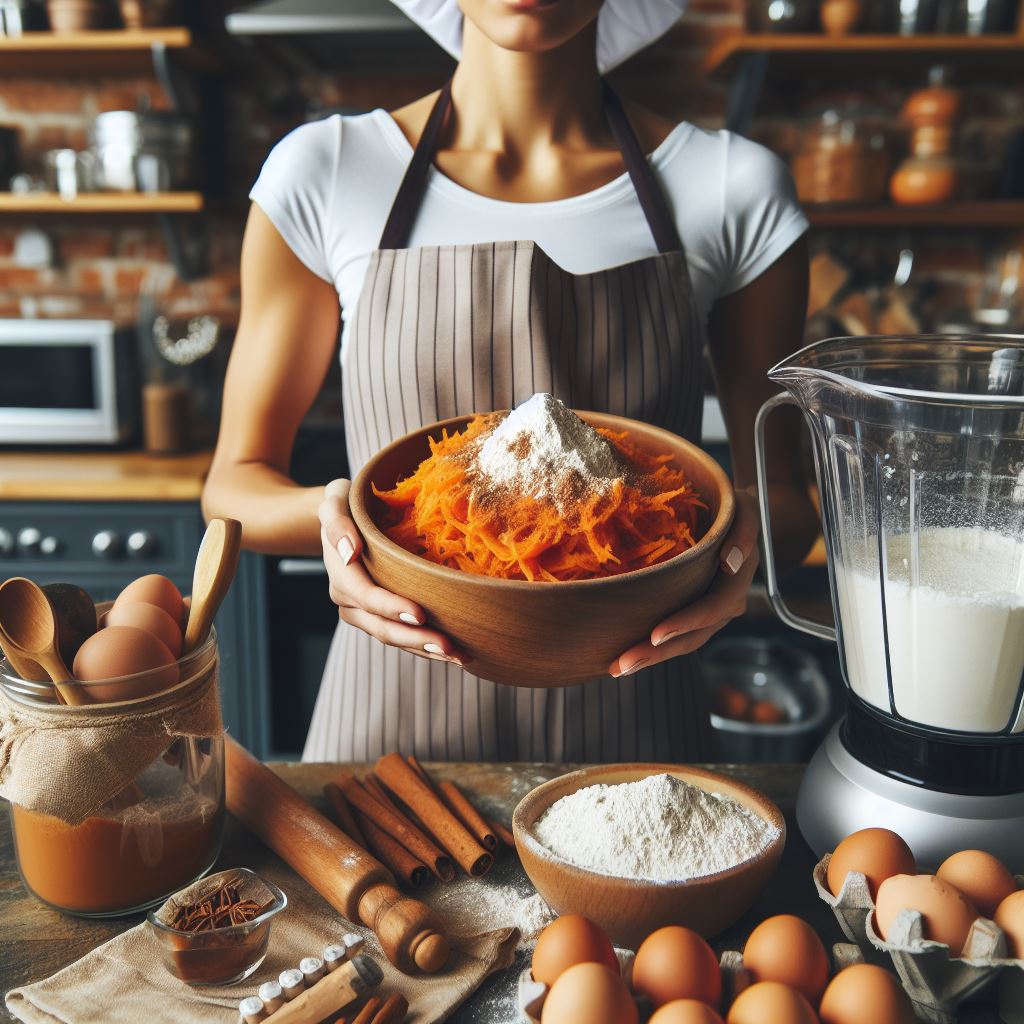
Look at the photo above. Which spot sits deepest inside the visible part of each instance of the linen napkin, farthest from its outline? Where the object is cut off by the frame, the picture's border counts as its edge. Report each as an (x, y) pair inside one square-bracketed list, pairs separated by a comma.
[(124, 980)]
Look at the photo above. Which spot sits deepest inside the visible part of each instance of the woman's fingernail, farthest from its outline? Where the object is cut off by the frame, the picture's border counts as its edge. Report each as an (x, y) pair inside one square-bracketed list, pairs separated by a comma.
[(346, 550), (634, 667), (434, 649), (734, 560), (409, 619), (667, 636)]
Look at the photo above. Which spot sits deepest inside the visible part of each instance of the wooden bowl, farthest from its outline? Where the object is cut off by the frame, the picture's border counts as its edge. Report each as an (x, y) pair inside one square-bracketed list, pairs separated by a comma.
[(629, 909), (544, 634)]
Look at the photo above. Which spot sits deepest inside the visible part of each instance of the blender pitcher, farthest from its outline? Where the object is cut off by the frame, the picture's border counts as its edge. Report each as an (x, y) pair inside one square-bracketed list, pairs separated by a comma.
[(919, 454)]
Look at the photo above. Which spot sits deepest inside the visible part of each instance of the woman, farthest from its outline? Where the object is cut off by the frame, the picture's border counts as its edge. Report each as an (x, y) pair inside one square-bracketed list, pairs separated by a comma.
[(504, 236)]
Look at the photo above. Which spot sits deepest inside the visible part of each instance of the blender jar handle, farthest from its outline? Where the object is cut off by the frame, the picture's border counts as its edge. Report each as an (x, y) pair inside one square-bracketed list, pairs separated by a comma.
[(818, 629)]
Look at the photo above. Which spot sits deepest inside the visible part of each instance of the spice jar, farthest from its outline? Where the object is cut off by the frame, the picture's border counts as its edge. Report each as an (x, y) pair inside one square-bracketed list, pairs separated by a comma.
[(837, 163), (114, 806)]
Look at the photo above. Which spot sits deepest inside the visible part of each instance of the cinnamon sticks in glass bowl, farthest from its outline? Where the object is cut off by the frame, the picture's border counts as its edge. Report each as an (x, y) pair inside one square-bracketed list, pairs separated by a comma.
[(417, 826)]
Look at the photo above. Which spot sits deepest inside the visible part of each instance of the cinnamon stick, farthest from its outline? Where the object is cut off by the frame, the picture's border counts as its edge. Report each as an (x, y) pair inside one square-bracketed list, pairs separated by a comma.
[(366, 1014), (419, 845), (459, 805), (503, 833), (394, 855), (395, 1007), (399, 777), (343, 814)]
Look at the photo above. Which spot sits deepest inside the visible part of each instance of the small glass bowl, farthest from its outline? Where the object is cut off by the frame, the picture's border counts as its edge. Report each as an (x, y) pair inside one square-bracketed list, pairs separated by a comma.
[(220, 956)]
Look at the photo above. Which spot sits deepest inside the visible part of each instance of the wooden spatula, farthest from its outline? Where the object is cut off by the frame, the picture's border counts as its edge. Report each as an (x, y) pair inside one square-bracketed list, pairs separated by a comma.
[(216, 564)]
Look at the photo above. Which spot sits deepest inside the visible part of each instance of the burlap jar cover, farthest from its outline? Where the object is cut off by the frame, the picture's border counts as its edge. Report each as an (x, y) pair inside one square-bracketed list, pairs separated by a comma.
[(69, 761)]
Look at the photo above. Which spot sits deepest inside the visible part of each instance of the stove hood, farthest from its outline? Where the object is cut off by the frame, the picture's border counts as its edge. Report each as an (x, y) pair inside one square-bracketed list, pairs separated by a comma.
[(318, 17)]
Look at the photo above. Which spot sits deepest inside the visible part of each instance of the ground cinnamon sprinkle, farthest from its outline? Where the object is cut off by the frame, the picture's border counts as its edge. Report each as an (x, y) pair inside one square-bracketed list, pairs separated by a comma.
[(222, 908)]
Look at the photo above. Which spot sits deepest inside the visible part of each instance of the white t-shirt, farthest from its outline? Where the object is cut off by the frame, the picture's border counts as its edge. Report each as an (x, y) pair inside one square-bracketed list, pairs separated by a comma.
[(328, 188)]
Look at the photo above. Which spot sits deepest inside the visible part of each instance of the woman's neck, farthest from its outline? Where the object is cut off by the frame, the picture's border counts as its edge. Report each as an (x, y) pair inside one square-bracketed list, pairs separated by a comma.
[(513, 103)]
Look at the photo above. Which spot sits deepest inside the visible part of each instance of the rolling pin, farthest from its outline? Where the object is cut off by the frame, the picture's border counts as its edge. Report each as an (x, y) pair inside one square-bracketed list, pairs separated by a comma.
[(359, 887)]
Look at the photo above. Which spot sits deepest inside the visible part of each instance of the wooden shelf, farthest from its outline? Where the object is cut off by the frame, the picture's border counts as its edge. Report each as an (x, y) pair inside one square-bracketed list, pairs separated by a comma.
[(102, 202), (113, 52), (997, 214), (999, 54)]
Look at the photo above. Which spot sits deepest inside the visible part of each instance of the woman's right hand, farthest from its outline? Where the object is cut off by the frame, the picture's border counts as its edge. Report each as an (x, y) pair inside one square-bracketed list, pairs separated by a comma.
[(389, 618)]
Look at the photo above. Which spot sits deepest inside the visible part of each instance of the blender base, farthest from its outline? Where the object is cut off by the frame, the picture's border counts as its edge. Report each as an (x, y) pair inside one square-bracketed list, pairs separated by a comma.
[(840, 795)]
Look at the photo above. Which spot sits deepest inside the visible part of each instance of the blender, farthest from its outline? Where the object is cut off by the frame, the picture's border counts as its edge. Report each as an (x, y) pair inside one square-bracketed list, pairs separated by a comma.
[(918, 449)]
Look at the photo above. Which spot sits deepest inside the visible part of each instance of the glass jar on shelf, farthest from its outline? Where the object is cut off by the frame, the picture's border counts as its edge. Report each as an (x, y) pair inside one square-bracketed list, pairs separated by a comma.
[(838, 162)]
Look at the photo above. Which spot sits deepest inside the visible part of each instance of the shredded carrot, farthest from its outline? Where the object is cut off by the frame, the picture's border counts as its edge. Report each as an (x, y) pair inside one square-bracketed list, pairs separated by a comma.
[(436, 513)]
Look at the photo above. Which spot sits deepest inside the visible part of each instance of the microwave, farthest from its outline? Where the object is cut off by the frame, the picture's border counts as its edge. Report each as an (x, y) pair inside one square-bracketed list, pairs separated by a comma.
[(68, 382)]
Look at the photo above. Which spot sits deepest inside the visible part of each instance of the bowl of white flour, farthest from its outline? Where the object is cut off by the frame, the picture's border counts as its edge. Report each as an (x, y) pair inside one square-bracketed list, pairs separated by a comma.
[(635, 847)]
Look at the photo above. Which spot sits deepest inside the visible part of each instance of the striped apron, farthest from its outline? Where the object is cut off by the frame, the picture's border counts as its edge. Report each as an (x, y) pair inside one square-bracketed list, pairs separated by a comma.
[(449, 330)]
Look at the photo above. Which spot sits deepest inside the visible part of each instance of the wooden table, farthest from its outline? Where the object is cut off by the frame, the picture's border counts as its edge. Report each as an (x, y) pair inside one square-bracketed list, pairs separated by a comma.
[(36, 941)]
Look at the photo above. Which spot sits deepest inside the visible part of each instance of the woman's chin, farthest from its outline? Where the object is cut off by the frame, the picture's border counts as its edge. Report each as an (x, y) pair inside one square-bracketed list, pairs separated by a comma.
[(530, 26)]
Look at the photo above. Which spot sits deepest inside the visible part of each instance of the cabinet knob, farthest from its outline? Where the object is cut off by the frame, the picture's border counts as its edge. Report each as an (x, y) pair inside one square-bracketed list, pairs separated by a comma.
[(6, 542), (29, 539), (49, 546), (106, 544), (141, 544)]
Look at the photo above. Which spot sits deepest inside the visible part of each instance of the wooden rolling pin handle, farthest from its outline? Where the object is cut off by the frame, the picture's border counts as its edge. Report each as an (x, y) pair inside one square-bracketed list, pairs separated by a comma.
[(359, 887), (409, 932)]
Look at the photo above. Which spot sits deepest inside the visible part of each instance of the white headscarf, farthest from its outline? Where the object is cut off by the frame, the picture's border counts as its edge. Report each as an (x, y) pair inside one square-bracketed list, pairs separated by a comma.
[(623, 26)]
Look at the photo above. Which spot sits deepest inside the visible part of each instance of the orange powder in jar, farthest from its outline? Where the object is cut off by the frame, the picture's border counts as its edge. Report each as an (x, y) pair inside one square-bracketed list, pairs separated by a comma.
[(117, 864)]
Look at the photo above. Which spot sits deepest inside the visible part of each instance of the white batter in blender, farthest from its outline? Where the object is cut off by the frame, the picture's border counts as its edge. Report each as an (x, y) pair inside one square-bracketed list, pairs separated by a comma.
[(919, 454)]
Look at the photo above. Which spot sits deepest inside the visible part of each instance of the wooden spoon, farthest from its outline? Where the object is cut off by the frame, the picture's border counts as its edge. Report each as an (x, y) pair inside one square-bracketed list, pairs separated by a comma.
[(215, 569), (29, 627)]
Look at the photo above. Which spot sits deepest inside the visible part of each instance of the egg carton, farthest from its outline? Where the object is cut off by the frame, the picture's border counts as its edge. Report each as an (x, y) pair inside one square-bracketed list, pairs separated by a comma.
[(735, 978), (936, 980)]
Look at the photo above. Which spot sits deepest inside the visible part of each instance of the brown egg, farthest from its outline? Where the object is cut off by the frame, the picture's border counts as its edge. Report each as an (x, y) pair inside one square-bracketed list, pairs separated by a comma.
[(118, 651), (787, 949), (771, 1002), (876, 853), (947, 914), (589, 994), (767, 712), (153, 589), (982, 878), (571, 939), (150, 618), (676, 963), (730, 702), (685, 1011), (864, 992), (1010, 917)]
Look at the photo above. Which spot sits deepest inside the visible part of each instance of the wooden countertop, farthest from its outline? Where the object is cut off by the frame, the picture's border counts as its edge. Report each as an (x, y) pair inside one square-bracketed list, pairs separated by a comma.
[(102, 476), (36, 941)]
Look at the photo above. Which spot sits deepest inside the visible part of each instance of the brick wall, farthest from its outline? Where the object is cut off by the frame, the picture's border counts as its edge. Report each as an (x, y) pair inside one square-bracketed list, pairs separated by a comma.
[(102, 262)]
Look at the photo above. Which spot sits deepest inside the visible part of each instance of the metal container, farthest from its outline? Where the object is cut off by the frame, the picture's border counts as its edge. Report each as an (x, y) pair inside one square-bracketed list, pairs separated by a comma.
[(763, 669), (150, 151)]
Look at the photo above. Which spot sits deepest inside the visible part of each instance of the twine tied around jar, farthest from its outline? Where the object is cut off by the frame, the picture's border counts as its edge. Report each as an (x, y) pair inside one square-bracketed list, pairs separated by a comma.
[(69, 762)]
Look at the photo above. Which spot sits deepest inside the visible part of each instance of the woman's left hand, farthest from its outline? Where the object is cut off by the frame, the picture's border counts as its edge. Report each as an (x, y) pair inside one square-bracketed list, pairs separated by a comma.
[(694, 625)]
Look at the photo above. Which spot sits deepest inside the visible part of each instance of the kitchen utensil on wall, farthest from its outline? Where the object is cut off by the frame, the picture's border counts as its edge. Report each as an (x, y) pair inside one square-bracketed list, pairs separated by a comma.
[(918, 445), (77, 15), (351, 881), (29, 626), (216, 565), (143, 151)]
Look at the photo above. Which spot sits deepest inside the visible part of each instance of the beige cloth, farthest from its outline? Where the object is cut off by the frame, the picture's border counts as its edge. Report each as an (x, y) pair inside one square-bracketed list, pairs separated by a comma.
[(123, 982), (69, 761)]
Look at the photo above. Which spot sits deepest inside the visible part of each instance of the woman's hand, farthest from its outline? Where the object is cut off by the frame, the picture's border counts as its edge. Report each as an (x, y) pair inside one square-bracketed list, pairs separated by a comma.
[(694, 625), (389, 618)]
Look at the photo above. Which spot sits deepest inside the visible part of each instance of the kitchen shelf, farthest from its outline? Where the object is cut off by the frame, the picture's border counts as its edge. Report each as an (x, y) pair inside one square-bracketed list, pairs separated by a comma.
[(108, 52), (998, 54), (102, 202), (999, 214)]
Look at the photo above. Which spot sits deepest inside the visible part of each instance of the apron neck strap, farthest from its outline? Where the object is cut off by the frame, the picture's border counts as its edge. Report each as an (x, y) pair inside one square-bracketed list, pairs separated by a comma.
[(648, 190)]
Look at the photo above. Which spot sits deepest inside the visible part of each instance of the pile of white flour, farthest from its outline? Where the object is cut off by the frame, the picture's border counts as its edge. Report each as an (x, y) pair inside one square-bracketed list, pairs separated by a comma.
[(544, 449), (659, 829)]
